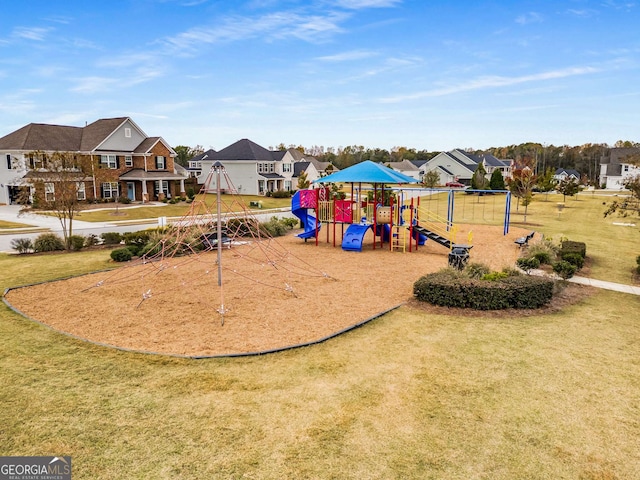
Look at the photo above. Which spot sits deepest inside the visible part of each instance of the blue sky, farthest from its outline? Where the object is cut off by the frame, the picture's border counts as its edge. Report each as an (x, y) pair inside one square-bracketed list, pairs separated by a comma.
[(423, 74)]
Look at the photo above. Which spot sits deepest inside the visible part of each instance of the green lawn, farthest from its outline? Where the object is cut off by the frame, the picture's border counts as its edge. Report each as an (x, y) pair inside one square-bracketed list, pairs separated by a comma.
[(203, 204), (408, 396), (13, 225)]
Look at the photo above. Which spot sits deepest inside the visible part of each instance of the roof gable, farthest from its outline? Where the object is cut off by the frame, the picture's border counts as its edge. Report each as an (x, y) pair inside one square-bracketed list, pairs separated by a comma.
[(244, 150)]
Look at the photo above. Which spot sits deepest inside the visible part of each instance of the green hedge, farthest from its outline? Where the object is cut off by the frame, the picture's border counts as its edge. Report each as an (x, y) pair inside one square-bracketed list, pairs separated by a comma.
[(569, 246), (449, 290)]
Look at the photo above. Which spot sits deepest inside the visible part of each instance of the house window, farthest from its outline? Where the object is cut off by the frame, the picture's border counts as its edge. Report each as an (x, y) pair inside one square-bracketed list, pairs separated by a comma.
[(109, 161), (110, 190), (127, 132), (161, 186), (49, 192), (8, 162), (625, 168), (128, 161), (160, 163), (259, 168), (287, 185), (272, 168), (286, 167), (80, 191)]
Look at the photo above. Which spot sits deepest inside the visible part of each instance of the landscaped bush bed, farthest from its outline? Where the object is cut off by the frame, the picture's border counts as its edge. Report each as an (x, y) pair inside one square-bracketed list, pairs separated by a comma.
[(450, 288), (565, 259)]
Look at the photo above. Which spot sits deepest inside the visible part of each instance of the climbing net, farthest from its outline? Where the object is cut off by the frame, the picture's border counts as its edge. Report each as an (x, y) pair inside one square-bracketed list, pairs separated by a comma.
[(182, 256)]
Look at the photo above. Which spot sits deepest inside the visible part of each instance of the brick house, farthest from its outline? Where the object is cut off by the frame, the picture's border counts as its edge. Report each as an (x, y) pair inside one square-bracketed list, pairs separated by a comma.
[(123, 161)]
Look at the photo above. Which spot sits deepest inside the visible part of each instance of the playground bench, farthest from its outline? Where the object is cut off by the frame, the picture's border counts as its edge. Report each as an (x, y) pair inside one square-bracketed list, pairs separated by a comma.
[(521, 241)]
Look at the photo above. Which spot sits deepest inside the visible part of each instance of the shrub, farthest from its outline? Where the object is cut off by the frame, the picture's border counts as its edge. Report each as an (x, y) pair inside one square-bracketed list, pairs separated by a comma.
[(568, 246), (528, 263), (140, 238), (281, 194), (191, 193), (543, 257), (124, 200), (564, 269), (494, 276), (76, 242), (574, 259), (111, 238), (454, 289), (48, 242), (22, 245), (121, 255), (274, 227), (477, 270)]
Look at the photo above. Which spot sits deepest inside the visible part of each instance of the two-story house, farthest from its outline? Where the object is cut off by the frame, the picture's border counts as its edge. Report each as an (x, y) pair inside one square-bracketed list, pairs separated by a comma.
[(124, 161), (459, 166), (619, 165), (255, 170)]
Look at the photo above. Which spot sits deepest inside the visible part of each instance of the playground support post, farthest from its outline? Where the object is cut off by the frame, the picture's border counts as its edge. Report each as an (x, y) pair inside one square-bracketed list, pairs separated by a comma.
[(507, 214)]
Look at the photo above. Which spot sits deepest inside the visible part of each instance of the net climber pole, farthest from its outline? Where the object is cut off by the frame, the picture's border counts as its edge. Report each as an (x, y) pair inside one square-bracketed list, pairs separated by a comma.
[(218, 167)]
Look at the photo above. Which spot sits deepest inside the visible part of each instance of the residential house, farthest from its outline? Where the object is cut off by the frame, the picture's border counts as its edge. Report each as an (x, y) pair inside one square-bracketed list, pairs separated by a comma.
[(124, 160), (562, 174), (619, 165), (407, 168), (459, 166), (255, 170), (195, 164)]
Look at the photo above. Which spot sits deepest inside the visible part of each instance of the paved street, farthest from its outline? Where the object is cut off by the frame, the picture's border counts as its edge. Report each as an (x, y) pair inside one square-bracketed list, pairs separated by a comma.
[(10, 213)]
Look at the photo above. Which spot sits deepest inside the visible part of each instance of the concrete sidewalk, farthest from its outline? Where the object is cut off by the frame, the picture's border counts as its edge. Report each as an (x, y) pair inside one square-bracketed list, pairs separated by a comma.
[(618, 287)]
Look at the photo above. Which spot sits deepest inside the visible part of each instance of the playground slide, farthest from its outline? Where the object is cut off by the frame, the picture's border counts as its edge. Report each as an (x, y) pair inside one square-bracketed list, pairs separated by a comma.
[(445, 242), (384, 231), (422, 238), (308, 221), (354, 236)]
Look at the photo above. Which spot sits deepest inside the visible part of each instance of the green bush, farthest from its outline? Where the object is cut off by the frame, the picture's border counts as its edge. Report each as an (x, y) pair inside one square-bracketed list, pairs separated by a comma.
[(564, 269), (454, 289), (543, 257), (124, 200), (477, 270), (111, 238), (569, 246), (76, 242), (494, 276), (48, 242), (22, 245), (281, 194), (574, 259), (528, 263), (121, 254), (191, 193)]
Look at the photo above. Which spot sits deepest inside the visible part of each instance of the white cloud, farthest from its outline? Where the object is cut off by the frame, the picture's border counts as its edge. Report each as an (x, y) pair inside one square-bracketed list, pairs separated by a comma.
[(347, 56), (33, 33), (492, 82), (530, 17)]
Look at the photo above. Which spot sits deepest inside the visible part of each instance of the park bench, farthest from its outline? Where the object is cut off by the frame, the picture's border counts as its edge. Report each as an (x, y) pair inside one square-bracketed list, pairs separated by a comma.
[(521, 241)]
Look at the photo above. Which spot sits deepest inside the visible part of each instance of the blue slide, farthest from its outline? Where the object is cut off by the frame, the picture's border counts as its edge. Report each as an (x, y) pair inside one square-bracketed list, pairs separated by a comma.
[(354, 236), (309, 222)]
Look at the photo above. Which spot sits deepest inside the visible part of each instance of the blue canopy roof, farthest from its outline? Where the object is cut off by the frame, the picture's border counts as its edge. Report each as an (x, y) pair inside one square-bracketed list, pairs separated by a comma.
[(367, 172)]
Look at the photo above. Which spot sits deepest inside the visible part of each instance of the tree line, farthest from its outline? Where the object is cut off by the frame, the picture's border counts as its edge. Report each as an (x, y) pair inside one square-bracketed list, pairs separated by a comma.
[(583, 158)]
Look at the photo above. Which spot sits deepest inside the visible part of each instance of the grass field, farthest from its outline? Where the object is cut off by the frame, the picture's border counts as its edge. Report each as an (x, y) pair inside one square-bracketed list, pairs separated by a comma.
[(12, 225), (409, 396)]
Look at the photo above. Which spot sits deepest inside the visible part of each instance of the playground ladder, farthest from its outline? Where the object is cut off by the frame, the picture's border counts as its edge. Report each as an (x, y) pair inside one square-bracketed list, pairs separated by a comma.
[(398, 238)]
